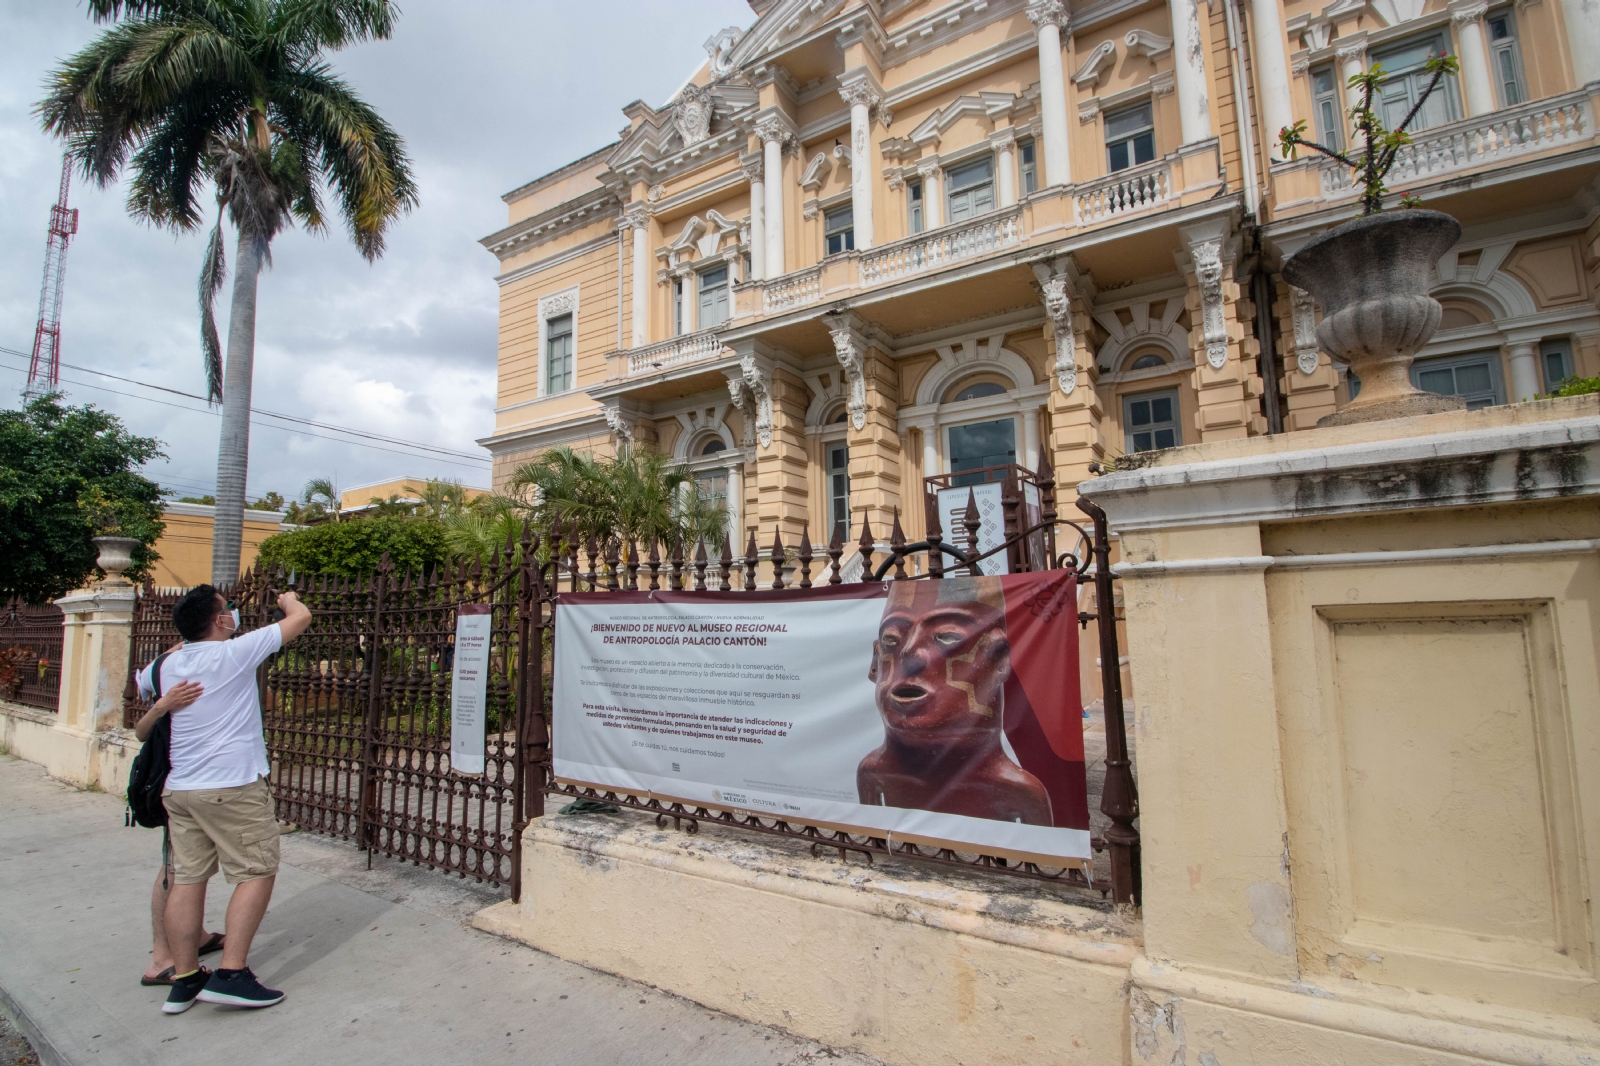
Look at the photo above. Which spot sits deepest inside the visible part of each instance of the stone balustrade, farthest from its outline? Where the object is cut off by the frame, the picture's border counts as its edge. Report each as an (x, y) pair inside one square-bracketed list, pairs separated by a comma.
[(675, 351), (941, 247), (1123, 193), (792, 290)]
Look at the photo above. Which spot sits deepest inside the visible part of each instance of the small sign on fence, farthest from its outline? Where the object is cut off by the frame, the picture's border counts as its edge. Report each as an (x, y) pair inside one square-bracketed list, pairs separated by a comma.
[(940, 713), (468, 687)]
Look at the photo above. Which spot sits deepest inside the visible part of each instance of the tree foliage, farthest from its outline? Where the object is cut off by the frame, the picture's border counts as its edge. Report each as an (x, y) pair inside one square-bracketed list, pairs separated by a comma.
[(68, 474), (637, 496), (351, 549)]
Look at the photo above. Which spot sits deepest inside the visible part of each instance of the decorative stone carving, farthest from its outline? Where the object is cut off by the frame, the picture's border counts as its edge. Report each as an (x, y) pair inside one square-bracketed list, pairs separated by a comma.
[(637, 216), (1163, 82), (1472, 12), (692, 115), (1303, 314), (753, 166), (774, 128), (852, 354), (620, 427), (1300, 64), (1146, 43), (655, 193), (1208, 269), (720, 46), (1354, 52), (1099, 60), (1051, 11), (861, 92), (562, 303), (1058, 306), (751, 392)]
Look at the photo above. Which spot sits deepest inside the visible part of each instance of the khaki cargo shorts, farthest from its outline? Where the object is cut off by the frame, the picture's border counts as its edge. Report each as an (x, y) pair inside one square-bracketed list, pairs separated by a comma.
[(237, 826)]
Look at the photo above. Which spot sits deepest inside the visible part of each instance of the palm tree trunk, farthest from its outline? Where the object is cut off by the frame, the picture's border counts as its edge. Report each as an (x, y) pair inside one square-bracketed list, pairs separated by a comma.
[(233, 449)]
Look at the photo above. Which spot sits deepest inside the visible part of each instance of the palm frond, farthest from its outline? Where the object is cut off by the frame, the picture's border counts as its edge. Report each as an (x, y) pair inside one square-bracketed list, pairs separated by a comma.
[(212, 273), (331, 23)]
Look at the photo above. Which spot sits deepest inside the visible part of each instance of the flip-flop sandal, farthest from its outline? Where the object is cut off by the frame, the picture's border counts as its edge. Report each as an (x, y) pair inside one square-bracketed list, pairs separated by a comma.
[(213, 944), (162, 978)]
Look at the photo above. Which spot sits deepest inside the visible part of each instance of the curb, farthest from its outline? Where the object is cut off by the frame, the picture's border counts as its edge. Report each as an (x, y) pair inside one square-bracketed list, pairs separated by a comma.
[(49, 1054)]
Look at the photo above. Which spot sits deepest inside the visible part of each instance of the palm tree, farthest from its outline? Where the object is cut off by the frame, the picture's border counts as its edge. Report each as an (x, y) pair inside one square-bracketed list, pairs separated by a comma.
[(321, 499), (234, 92)]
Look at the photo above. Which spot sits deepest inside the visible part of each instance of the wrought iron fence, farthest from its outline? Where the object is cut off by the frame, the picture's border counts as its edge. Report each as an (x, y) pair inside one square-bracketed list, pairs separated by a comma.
[(614, 564), (30, 654)]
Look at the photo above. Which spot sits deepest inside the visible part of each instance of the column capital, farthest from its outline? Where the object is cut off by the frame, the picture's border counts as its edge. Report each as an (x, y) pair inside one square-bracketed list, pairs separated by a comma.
[(753, 165), (774, 125), (928, 167), (1004, 138), (1050, 13), (635, 216), (1464, 11), (858, 86), (1352, 48)]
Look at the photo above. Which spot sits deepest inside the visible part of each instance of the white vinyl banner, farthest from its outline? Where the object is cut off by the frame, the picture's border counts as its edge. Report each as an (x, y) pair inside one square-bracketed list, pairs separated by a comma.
[(769, 704), (991, 515), (468, 685)]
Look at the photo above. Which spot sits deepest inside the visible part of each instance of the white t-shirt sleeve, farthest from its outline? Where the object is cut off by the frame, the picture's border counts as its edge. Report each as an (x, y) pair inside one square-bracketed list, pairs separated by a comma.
[(147, 687), (255, 648)]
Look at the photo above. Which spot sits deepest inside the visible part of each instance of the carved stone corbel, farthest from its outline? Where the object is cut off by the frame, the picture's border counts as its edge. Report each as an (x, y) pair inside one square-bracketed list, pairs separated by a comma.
[(1058, 286), (751, 391), (1303, 314), (620, 426), (1208, 269), (851, 350)]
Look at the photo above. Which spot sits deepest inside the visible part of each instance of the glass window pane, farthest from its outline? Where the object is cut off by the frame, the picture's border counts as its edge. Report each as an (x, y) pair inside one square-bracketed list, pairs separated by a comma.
[(1161, 409), (1474, 377), (1150, 421), (1555, 369), (1480, 404), (970, 174), (985, 444), (1117, 155), (1144, 148), (1126, 122), (1441, 381), (840, 218), (1165, 438), (1143, 442), (1322, 81), (1499, 28), (1139, 411)]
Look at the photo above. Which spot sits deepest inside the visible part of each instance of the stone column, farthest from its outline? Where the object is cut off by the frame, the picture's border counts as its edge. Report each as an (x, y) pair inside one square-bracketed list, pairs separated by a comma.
[(1030, 439), (752, 166), (1524, 370), (930, 452), (735, 501), (1352, 55), (1189, 62), (1005, 150), (1075, 411), (1272, 68), (638, 217), (932, 197), (774, 132), (860, 90), (97, 638), (1582, 18), (1227, 385), (1052, 18), (1476, 84), (873, 403)]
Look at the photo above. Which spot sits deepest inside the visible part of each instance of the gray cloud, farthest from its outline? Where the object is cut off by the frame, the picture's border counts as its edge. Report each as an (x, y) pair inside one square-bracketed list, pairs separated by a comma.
[(488, 95)]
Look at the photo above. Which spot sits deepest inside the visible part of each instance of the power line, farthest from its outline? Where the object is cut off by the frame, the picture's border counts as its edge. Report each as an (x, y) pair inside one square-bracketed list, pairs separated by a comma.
[(264, 425), (261, 411)]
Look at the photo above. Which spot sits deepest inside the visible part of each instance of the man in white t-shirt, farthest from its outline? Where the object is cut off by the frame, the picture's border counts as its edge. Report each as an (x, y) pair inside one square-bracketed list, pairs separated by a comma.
[(220, 811)]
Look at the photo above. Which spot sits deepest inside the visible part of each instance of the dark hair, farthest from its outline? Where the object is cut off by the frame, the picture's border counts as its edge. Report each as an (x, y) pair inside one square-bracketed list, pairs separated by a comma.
[(194, 613)]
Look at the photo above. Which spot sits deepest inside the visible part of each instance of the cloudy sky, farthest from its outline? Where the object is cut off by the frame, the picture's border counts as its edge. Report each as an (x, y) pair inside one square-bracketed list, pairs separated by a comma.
[(487, 94)]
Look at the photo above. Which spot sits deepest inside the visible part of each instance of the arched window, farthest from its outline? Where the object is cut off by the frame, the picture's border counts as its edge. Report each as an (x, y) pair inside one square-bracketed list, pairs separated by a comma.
[(713, 446), (1145, 362), (844, 414), (980, 390)]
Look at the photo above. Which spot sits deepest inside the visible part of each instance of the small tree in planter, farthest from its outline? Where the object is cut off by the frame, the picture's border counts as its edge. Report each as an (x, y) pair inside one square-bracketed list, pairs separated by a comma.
[(1371, 274), (1382, 144)]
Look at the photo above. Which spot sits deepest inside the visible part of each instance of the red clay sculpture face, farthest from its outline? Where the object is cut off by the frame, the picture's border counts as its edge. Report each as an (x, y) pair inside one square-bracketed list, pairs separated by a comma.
[(940, 672)]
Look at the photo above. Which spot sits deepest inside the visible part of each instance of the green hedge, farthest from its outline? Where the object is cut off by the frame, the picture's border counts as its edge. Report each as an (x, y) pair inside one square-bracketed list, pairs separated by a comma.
[(353, 548)]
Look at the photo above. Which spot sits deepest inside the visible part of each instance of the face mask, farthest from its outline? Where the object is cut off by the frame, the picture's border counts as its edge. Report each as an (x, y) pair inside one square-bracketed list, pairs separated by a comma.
[(235, 613)]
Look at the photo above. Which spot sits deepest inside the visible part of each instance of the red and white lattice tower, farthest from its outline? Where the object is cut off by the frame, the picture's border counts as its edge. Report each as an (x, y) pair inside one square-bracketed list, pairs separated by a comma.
[(44, 372)]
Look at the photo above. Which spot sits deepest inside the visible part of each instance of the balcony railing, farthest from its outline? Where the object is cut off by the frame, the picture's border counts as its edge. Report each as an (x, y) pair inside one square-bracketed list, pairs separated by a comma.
[(663, 355), (1123, 193), (949, 244), (792, 290), (1474, 142)]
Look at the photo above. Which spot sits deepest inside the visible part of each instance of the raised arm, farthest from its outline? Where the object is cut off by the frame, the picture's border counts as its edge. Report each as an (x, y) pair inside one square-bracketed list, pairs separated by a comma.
[(177, 697), (296, 616)]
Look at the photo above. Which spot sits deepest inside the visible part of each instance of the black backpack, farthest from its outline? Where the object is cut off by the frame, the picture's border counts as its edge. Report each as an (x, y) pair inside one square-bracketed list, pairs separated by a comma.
[(151, 766)]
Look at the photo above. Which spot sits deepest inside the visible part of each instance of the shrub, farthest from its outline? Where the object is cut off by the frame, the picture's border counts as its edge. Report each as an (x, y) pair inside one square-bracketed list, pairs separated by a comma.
[(1578, 386), (351, 549)]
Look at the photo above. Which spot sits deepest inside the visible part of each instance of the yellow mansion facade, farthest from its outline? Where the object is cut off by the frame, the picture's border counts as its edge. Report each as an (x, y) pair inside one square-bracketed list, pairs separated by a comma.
[(877, 240)]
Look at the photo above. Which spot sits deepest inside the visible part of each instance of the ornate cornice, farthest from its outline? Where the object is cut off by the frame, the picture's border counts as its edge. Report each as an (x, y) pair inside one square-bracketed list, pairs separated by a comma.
[(574, 214)]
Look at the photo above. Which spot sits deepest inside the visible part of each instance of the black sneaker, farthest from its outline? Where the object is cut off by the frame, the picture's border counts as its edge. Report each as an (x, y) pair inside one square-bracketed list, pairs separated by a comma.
[(239, 989), (184, 991)]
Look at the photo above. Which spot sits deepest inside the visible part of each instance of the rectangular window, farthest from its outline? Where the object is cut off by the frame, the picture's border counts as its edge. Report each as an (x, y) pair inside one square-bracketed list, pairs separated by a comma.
[(1030, 168), (985, 444), (839, 490), (971, 188), (839, 230), (1504, 61), (914, 205), (677, 306), (712, 487), (1406, 76), (1555, 359), (1150, 421), (713, 308), (1327, 98), (558, 354), (1130, 137), (1475, 377)]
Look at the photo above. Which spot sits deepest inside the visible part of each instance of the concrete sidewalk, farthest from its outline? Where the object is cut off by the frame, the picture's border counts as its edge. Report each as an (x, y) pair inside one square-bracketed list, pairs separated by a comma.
[(378, 966)]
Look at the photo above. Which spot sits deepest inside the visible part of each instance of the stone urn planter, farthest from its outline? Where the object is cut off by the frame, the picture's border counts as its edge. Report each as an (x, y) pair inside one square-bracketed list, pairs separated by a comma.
[(116, 556), (1371, 278)]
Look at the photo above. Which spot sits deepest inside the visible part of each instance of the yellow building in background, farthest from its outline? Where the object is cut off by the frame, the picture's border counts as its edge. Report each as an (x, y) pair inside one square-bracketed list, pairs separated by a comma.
[(358, 498), (185, 545), (878, 240)]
